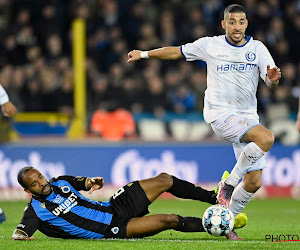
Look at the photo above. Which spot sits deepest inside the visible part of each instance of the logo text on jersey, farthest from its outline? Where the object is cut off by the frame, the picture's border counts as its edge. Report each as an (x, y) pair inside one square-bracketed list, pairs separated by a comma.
[(66, 206), (224, 68)]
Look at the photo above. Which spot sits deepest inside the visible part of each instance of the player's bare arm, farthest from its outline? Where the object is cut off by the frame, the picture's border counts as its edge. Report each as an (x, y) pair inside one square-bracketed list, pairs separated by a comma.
[(20, 235), (94, 183), (165, 53), (273, 76)]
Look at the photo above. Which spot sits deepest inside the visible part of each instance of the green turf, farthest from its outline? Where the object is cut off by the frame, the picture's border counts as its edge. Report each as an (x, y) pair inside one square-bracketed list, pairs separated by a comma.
[(277, 217)]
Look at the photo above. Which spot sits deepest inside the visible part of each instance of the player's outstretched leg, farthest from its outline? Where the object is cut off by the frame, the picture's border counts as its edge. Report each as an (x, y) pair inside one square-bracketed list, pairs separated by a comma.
[(155, 186), (240, 219), (153, 224)]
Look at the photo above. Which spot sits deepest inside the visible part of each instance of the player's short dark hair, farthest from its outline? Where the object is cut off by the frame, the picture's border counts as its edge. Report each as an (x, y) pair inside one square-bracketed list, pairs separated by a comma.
[(21, 174), (233, 8)]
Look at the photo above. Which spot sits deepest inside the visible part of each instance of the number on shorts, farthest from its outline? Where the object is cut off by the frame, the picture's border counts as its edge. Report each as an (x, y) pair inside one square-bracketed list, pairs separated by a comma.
[(119, 191)]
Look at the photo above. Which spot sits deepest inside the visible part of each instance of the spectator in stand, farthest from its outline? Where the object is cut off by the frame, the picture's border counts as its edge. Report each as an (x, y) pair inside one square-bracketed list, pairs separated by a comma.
[(114, 123), (155, 97), (182, 99)]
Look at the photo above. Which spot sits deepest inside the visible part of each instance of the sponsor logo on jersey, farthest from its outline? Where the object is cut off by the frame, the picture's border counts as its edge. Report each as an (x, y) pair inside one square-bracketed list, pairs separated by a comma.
[(58, 199), (21, 225), (66, 206), (223, 56), (250, 56), (225, 68), (79, 178)]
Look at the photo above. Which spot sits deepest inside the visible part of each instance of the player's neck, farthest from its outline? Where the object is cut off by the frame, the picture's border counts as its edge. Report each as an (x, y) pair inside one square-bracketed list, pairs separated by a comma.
[(240, 43)]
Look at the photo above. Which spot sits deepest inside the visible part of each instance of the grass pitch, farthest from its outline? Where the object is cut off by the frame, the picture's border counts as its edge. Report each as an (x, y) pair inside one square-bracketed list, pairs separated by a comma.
[(266, 217)]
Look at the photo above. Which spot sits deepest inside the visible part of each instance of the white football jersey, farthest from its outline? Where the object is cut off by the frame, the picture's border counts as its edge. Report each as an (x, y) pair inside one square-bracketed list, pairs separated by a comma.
[(232, 74), (3, 96)]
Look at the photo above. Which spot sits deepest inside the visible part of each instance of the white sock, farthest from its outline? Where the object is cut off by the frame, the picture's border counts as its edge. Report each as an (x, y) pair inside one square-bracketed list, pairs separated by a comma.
[(239, 199), (249, 156)]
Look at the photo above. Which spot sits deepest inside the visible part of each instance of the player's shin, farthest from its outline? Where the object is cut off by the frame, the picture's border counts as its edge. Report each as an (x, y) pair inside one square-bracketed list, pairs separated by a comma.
[(248, 157), (240, 198), (187, 190), (189, 224)]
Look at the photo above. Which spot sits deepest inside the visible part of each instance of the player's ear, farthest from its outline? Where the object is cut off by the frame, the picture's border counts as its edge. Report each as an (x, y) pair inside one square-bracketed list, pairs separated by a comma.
[(27, 190), (223, 23)]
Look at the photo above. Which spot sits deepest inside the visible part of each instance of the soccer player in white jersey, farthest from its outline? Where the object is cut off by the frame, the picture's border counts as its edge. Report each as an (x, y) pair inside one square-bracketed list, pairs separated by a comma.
[(234, 63), (8, 109)]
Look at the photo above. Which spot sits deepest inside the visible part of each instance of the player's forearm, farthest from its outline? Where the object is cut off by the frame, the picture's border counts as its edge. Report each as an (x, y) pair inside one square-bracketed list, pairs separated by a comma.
[(166, 53)]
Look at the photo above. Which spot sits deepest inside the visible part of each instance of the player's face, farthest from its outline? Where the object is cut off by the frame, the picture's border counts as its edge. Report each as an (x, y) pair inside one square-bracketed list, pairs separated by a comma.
[(36, 183), (235, 25)]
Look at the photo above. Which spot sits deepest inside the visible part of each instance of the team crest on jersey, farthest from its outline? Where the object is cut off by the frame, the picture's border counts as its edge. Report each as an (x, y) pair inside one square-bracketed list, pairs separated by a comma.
[(65, 189), (250, 56), (115, 230)]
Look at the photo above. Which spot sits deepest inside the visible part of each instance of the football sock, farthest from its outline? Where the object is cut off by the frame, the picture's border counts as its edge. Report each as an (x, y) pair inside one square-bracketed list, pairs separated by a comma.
[(186, 190), (249, 156), (239, 199), (189, 224)]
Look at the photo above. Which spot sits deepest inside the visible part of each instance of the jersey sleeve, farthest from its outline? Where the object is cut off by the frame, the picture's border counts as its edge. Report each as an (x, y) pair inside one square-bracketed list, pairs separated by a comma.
[(30, 222), (78, 182), (196, 50), (264, 59), (3, 96)]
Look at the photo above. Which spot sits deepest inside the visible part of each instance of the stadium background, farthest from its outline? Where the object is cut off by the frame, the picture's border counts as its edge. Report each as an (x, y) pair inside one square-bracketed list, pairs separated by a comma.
[(165, 98)]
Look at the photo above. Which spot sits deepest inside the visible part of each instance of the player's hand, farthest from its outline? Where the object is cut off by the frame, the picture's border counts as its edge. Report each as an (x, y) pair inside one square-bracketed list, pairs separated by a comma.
[(9, 109), (134, 55), (274, 74), (97, 183), (22, 237), (19, 235)]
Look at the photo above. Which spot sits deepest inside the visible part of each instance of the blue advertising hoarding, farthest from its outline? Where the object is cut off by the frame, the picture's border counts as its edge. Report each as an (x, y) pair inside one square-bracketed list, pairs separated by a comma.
[(197, 163)]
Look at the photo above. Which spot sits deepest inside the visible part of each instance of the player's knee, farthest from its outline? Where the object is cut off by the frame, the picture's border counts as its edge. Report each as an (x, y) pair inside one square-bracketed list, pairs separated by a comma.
[(268, 140), (165, 179)]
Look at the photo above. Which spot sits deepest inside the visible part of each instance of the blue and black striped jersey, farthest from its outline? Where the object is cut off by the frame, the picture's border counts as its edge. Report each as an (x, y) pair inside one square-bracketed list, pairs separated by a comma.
[(66, 213)]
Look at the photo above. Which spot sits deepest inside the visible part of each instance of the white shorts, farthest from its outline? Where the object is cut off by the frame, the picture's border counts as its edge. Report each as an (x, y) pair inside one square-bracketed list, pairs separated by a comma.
[(232, 128)]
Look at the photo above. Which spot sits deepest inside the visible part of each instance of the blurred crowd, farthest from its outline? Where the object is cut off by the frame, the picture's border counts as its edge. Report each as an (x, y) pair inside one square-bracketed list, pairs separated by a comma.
[(36, 52)]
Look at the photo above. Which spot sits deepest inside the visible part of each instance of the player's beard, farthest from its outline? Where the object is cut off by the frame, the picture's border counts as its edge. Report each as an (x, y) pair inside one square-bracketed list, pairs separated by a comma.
[(42, 194), (235, 40)]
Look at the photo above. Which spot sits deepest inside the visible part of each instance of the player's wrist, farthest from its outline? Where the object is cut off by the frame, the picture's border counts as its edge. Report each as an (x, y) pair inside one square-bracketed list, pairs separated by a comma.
[(144, 55)]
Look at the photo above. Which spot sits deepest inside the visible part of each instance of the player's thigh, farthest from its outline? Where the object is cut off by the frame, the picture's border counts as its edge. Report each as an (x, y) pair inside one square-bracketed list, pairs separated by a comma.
[(233, 127), (155, 186), (150, 225)]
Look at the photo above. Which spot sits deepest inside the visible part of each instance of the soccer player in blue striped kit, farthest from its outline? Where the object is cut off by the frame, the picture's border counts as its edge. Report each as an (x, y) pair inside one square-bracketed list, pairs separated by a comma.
[(58, 210)]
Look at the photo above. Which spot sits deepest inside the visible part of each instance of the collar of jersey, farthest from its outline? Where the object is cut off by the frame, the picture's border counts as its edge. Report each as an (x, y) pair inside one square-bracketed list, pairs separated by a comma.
[(247, 40)]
